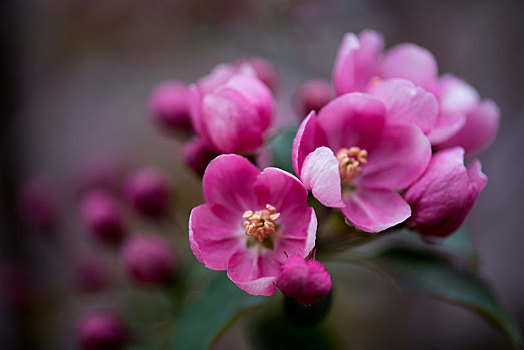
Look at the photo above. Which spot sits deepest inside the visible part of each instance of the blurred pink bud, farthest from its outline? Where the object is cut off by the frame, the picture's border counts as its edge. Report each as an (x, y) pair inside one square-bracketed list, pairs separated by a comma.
[(305, 280), (264, 70), (197, 155), (101, 330), (311, 96), (444, 195), (149, 192), (231, 109), (101, 214), (15, 285), (149, 259), (101, 172), (38, 205), (168, 106), (91, 273)]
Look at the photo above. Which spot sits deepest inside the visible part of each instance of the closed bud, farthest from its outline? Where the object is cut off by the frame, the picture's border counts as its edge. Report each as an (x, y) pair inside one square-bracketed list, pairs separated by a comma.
[(311, 96), (149, 259), (101, 214), (443, 196), (101, 330), (197, 155), (304, 280), (149, 192), (168, 106)]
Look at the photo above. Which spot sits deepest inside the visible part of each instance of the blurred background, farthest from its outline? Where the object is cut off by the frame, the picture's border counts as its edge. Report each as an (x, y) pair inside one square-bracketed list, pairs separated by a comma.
[(75, 77)]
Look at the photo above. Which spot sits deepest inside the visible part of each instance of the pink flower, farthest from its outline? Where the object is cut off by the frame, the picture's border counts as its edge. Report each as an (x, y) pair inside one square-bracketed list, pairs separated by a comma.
[(168, 106), (305, 280), (465, 120), (360, 62), (311, 96), (149, 259), (149, 192), (251, 222), (352, 159), (231, 109), (102, 216), (444, 195), (101, 330)]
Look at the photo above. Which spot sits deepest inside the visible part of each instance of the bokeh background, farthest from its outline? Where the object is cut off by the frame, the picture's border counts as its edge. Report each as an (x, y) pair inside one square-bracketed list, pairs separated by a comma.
[(75, 77)]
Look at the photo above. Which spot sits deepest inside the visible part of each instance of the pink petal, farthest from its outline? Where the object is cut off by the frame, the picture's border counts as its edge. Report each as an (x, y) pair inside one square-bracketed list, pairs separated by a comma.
[(375, 210), (232, 122), (229, 181), (401, 157), (309, 136), (299, 239), (410, 62), (356, 61), (212, 239), (455, 95), (477, 178), (447, 125), (218, 76), (257, 94), (254, 271), (354, 119), (407, 104), (194, 101), (479, 130), (320, 173)]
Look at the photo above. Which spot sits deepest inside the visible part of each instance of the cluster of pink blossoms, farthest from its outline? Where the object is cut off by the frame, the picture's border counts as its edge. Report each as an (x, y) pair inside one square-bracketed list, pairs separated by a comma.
[(388, 149)]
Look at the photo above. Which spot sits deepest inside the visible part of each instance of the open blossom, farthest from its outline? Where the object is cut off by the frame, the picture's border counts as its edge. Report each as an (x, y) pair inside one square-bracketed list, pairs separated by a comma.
[(304, 280), (352, 159), (168, 106), (444, 195), (231, 109), (251, 222), (462, 119)]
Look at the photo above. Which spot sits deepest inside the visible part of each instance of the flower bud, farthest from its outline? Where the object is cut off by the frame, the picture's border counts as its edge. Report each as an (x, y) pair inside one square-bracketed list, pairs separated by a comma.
[(443, 196), (101, 330), (231, 110), (149, 192), (311, 96), (101, 214), (149, 259), (38, 206), (91, 273), (264, 70), (305, 280), (168, 106), (197, 155)]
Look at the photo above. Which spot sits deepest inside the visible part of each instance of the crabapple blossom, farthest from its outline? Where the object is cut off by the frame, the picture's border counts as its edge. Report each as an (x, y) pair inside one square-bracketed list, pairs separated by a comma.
[(251, 222), (352, 159)]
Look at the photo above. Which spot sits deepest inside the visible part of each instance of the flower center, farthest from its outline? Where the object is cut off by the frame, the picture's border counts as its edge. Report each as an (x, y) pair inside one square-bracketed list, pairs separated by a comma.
[(350, 161), (261, 223)]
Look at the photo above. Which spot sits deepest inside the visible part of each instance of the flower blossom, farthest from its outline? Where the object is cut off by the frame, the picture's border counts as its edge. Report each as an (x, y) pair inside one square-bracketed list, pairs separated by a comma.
[(304, 280), (352, 159), (444, 195), (231, 109), (251, 222), (463, 119)]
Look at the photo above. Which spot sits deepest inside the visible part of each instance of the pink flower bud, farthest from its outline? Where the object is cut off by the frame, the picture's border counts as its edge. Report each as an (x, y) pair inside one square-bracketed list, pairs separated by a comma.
[(444, 195), (101, 330), (38, 205), (231, 109), (101, 214), (305, 280), (168, 106), (311, 96), (149, 259), (197, 155), (149, 192), (264, 70)]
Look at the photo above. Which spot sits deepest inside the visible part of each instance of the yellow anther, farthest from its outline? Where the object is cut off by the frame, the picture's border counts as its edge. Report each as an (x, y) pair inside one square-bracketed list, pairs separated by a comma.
[(261, 223), (350, 161)]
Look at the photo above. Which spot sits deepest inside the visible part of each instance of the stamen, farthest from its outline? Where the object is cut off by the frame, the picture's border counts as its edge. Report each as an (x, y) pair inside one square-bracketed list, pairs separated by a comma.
[(261, 223), (350, 162)]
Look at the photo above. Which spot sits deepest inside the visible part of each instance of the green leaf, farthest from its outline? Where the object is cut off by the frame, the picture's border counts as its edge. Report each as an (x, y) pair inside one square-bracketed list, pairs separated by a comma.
[(281, 147), (426, 273), (211, 314)]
